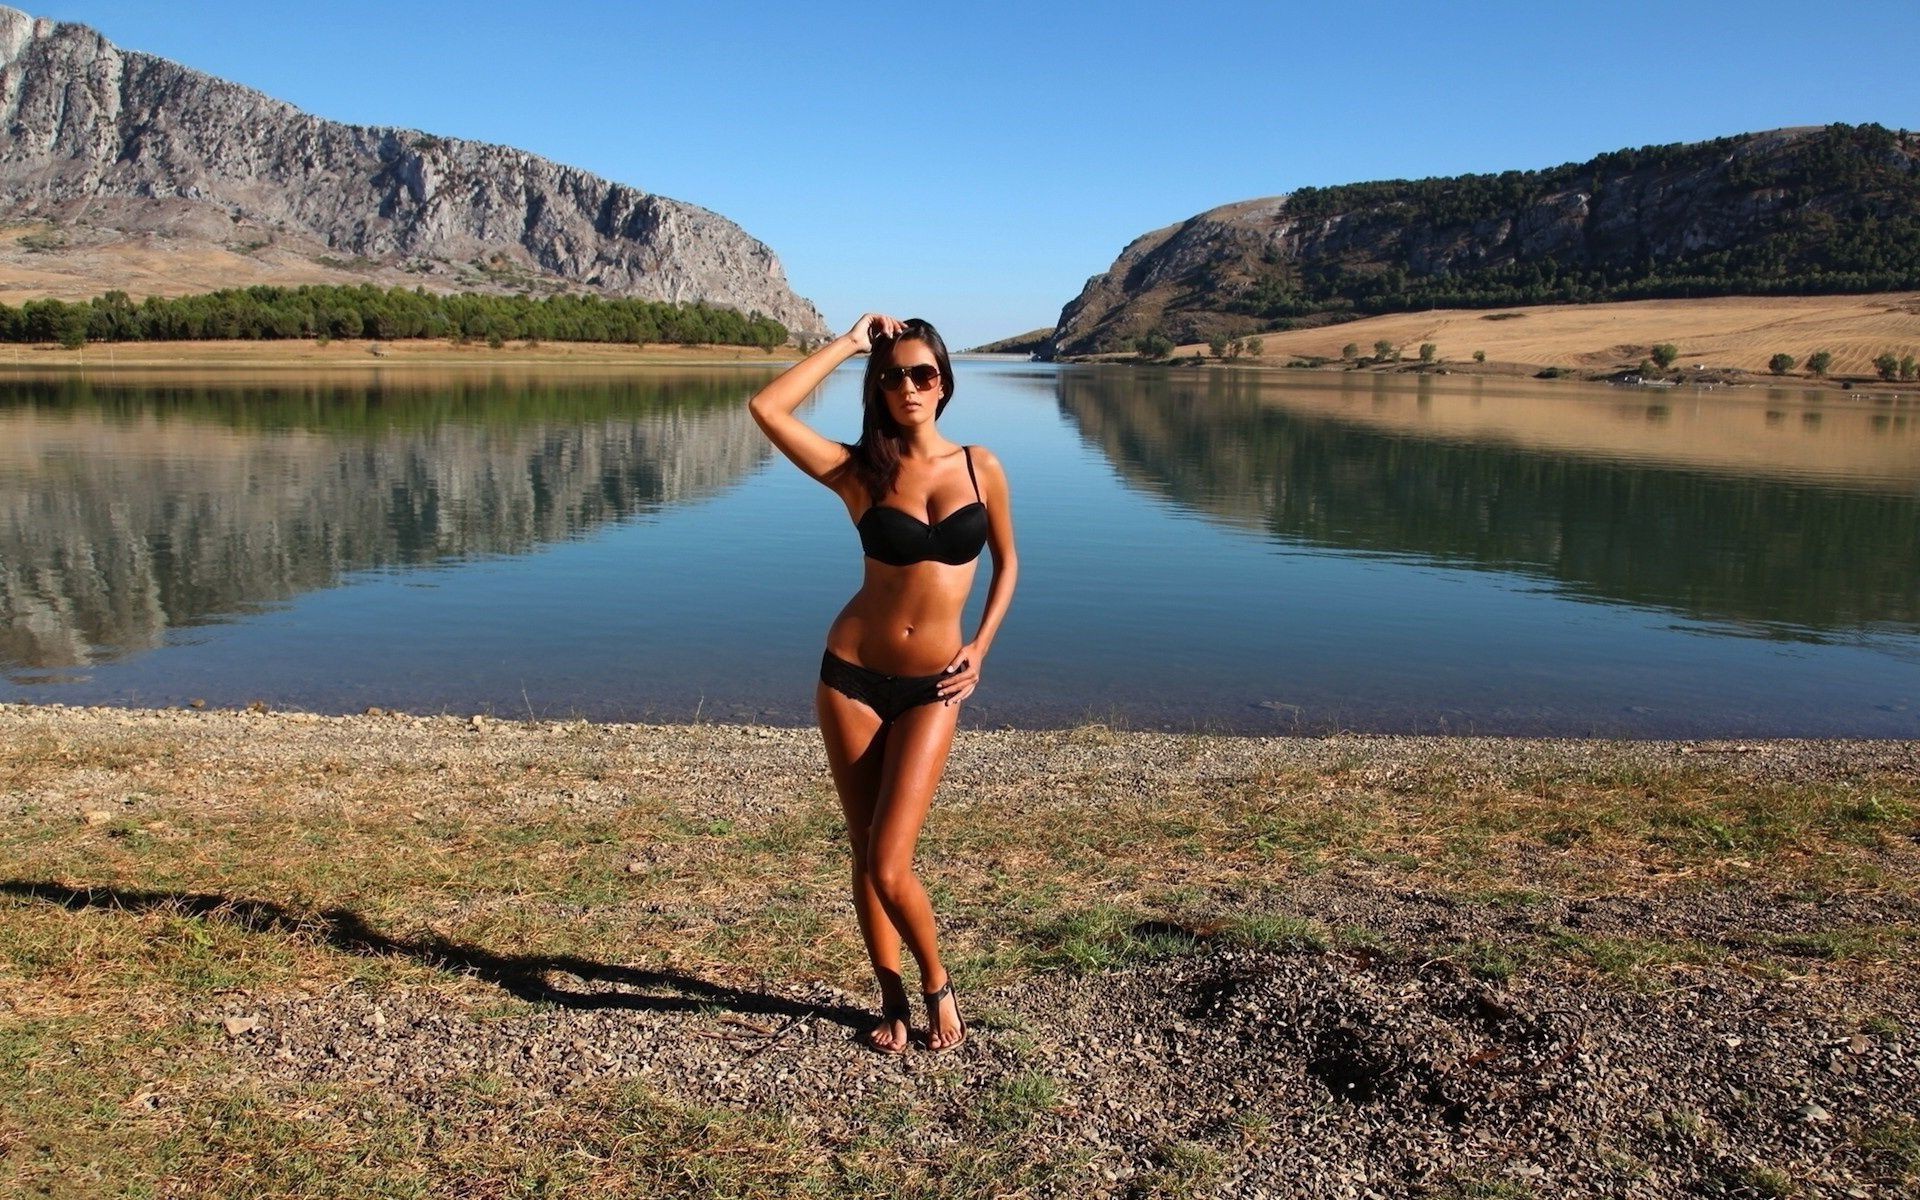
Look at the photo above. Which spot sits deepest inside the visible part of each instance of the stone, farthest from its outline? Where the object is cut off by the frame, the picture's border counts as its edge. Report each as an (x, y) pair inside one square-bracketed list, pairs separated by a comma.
[(112, 144)]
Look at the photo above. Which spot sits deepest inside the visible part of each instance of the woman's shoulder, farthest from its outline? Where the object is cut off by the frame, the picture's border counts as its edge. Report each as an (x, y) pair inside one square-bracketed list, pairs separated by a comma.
[(983, 457)]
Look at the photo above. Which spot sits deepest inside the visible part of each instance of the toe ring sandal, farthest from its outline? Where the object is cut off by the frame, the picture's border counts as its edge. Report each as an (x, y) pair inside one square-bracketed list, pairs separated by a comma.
[(933, 999)]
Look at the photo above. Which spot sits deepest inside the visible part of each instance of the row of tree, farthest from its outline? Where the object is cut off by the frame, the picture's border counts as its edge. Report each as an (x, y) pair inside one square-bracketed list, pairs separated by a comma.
[(321, 311)]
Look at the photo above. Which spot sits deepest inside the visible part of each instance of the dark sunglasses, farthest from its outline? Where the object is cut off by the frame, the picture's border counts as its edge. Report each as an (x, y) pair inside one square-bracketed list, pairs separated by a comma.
[(924, 376)]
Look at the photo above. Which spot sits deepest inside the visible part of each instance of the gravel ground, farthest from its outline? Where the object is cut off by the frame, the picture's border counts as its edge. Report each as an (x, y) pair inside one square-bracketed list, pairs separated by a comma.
[(1225, 1071)]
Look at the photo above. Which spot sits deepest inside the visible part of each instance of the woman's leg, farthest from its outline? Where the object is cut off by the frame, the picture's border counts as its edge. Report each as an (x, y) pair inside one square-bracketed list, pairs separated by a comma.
[(916, 755), (855, 741)]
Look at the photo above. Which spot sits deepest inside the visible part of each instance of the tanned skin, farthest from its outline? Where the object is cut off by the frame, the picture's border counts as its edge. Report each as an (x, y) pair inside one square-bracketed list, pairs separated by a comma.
[(904, 620)]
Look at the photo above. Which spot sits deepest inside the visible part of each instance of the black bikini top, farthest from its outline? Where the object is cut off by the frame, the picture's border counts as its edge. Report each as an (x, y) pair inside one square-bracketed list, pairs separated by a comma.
[(898, 538)]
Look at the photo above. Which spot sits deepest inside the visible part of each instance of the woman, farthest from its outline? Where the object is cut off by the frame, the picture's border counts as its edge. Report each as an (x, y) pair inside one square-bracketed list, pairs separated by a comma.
[(896, 671)]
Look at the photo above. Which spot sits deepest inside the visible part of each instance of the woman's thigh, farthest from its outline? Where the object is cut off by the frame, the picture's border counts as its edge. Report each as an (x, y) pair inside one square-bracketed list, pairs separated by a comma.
[(856, 744), (916, 755)]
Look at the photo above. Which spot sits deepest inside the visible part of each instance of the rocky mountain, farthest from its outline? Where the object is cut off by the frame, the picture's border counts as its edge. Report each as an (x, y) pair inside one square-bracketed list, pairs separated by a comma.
[(1809, 210), (103, 147)]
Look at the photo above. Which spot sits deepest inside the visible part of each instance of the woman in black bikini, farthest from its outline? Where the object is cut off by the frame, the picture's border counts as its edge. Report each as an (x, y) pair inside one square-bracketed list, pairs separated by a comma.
[(896, 670)]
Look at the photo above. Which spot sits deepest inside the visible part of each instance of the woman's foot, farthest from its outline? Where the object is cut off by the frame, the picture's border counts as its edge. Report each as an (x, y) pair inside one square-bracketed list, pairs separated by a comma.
[(946, 1028), (891, 1035)]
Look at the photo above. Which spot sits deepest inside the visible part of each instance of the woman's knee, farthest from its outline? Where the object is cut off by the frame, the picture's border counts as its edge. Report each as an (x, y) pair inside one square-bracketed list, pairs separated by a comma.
[(892, 878)]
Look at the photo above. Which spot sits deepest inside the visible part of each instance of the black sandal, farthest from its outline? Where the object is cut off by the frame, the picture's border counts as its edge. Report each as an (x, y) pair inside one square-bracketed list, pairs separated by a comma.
[(933, 998), (888, 1015)]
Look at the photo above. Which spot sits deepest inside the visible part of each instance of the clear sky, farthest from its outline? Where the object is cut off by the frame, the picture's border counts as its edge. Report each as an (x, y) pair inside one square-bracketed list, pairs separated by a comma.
[(974, 163)]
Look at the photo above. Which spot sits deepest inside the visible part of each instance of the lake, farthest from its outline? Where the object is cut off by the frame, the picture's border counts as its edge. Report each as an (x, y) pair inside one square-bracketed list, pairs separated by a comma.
[(1254, 551)]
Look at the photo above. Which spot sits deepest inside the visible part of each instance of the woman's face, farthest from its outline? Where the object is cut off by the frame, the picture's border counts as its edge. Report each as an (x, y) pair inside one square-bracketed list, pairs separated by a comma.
[(909, 400)]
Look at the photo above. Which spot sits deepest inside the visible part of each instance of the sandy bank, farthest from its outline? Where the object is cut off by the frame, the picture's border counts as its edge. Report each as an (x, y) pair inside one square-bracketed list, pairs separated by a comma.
[(1733, 336), (359, 353)]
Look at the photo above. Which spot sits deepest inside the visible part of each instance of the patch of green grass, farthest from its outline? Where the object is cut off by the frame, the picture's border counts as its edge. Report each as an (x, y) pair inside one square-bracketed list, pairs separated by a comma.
[(1850, 943), (1628, 960), (1469, 1187), (1895, 1146), (73, 1120), (1758, 1179), (1180, 1169), (1106, 936), (1017, 1100), (1683, 1126), (247, 1144), (1493, 961), (1272, 931)]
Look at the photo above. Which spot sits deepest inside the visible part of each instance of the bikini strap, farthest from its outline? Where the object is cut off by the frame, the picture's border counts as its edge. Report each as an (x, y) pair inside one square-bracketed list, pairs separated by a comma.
[(968, 451)]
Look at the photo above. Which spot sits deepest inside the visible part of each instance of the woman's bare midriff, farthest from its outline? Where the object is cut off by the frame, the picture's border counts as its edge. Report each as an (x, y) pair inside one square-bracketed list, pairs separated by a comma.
[(903, 620)]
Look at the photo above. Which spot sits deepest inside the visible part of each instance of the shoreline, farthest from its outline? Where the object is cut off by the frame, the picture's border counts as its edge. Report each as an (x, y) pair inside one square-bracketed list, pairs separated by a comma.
[(393, 954), (357, 353)]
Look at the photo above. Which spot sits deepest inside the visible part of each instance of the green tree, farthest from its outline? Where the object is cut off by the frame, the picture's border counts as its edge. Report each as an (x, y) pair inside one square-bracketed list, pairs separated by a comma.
[(1479, 356), (1153, 345), (1384, 349), (1256, 347), (1350, 351), (1818, 362), (1906, 366), (1665, 354), (1217, 345), (1428, 352), (1887, 365), (1780, 364)]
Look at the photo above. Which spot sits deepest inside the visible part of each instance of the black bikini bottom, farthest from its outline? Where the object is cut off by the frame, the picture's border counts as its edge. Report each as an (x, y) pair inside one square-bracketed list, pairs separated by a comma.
[(886, 695)]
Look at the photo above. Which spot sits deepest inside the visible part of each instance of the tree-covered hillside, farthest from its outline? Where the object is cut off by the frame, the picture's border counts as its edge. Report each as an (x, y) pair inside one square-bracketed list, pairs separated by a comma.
[(1794, 211), (1842, 215)]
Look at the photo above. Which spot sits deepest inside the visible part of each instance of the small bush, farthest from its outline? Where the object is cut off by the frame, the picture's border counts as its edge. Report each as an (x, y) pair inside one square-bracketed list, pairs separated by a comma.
[(1818, 362), (1780, 364), (1665, 354)]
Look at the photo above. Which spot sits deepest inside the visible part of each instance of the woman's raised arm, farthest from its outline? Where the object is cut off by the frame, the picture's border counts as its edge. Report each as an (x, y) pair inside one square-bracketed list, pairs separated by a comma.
[(773, 405)]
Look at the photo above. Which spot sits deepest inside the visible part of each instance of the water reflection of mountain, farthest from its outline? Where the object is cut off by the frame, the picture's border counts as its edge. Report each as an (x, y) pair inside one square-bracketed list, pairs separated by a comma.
[(1795, 558), (124, 511)]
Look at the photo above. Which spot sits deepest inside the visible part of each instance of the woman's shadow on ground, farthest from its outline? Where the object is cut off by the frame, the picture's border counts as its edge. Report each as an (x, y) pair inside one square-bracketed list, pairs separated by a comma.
[(525, 976)]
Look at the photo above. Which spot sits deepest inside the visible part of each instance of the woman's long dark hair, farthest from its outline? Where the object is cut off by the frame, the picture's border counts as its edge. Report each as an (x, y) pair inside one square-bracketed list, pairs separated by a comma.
[(876, 456)]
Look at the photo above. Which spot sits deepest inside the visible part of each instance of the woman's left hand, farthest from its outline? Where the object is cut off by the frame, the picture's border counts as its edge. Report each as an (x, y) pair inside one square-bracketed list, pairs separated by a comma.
[(962, 675)]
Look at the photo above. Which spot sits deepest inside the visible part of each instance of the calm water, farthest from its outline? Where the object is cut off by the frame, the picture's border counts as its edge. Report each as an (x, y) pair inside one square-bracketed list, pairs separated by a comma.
[(1258, 552)]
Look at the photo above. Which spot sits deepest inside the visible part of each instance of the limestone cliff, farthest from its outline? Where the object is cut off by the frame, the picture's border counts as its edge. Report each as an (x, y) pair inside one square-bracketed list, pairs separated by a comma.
[(1812, 210), (108, 145)]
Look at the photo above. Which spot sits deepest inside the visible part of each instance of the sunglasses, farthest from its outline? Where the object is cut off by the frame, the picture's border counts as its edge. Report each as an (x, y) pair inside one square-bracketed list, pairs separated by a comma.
[(924, 376)]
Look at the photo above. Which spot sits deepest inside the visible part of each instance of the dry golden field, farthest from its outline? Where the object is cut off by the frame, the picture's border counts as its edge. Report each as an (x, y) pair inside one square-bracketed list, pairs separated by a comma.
[(1735, 332)]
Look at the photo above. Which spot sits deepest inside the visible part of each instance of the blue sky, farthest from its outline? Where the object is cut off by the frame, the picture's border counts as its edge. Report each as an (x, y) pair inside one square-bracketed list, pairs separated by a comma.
[(974, 164)]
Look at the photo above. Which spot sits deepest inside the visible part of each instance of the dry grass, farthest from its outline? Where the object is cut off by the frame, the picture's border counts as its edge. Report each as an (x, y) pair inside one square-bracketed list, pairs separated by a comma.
[(230, 857), (1735, 332)]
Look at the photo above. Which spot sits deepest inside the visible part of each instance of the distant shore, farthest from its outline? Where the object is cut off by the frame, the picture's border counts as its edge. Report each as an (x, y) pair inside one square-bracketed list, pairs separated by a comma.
[(1726, 340), (361, 352)]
